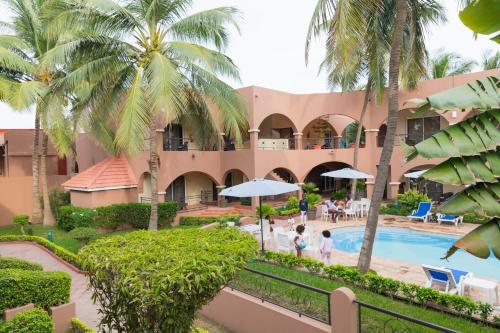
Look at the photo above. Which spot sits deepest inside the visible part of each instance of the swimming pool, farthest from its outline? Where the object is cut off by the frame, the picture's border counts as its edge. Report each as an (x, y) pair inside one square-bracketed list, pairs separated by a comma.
[(415, 247)]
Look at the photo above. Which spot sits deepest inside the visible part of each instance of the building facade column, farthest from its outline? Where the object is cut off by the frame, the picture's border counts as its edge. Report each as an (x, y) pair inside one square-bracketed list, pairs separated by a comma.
[(221, 200), (298, 140), (371, 137), (370, 184), (254, 138), (393, 190), (300, 192)]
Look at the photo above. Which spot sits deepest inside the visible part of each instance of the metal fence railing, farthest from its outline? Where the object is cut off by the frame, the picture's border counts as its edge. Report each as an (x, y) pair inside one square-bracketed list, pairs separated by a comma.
[(302, 299), (374, 319)]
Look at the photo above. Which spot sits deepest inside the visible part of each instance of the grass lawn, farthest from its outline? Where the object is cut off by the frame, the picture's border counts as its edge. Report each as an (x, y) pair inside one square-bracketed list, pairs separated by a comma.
[(60, 237), (315, 305)]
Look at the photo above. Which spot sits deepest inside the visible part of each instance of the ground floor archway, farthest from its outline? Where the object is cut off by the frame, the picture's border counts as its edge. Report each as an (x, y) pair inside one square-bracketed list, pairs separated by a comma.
[(192, 189), (327, 184)]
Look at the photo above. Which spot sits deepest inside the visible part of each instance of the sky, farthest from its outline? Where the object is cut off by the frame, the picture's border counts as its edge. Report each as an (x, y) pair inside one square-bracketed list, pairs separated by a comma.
[(270, 47)]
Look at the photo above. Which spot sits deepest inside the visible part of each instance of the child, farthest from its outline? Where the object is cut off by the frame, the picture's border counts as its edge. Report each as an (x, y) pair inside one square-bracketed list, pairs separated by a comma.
[(299, 240), (326, 247)]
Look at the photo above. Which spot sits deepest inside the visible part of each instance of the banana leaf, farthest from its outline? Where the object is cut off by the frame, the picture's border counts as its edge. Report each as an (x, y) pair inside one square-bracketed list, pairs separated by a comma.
[(467, 170), (482, 199), (466, 138), (480, 242), (480, 94), (482, 17)]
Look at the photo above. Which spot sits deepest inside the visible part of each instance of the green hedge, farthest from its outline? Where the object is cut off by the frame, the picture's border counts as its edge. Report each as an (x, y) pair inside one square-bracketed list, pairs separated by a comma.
[(203, 220), (113, 216), (56, 249), (137, 296), (78, 327), (44, 289), (386, 286), (31, 321), (14, 263), (393, 211)]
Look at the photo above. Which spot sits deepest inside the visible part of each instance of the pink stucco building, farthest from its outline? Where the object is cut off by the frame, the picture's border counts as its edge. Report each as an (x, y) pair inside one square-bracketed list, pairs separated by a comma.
[(290, 137)]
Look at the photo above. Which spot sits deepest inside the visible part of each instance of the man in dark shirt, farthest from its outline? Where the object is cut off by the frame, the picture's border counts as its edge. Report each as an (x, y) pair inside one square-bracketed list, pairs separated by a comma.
[(303, 207)]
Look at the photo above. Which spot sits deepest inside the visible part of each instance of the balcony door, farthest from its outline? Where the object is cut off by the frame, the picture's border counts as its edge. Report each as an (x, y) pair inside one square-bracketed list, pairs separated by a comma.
[(177, 191), (420, 129), (172, 138)]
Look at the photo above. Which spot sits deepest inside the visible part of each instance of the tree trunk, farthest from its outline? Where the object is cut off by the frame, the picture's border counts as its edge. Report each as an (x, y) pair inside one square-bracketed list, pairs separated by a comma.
[(72, 161), (153, 169), (358, 136), (36, 215), (48, 218), (385, 158)]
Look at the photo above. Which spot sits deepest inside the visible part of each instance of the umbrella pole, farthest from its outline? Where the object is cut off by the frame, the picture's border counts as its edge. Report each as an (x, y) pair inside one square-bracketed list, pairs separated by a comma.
[(261, 225)]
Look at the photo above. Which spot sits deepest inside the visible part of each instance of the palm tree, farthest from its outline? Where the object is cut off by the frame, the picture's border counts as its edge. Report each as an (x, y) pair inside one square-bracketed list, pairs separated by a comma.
[(20, 53), (347, 69), (445, 64), (151, 63), (490, 61)]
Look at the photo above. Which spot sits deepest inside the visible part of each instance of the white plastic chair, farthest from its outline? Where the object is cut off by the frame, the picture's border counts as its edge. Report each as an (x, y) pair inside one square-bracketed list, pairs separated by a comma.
[(351, 211), (325, 215), (365, 206)]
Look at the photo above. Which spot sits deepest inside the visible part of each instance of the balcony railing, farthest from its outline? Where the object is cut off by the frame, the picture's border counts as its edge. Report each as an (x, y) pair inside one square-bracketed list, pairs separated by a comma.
[(276, 144), (181, 144), (319, 143)]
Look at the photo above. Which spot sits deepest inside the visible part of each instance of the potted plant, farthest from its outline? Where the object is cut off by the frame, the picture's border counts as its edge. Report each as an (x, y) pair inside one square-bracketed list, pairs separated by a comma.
[(313, 200)]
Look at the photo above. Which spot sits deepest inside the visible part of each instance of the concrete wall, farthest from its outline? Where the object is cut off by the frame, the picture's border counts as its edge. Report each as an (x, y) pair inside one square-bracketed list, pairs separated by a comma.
[(15, 196), (103, 198)]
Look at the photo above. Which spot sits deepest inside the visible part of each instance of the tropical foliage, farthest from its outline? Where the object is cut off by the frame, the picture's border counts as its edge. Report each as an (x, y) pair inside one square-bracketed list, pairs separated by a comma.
[(481, 16), (136, 296), (473, 159), (149, 62), (445, 64), (490, 60)]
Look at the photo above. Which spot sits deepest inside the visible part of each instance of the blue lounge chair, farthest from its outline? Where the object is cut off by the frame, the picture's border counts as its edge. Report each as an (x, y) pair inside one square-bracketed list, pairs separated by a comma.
[(450, 219), (451, 279), (423, 212)]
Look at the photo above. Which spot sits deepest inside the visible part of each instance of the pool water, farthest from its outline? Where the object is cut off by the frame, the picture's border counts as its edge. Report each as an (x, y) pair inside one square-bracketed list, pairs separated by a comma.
[(415, 247)]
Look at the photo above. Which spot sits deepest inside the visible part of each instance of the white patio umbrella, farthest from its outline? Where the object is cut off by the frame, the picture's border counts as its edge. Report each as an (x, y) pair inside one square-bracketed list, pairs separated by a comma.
[(347, 173), (259, 187), (415, 174)]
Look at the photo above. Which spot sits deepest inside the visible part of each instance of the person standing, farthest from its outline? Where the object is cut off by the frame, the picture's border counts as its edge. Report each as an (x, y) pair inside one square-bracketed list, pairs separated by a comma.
[(325, 248), (303, 207)]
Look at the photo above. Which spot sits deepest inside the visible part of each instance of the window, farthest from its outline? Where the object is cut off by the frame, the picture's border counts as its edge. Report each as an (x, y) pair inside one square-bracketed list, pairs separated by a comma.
[(420, 129)]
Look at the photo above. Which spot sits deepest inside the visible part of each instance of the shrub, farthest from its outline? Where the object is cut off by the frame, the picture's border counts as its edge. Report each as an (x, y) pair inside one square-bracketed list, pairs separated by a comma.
[(409, 200), (204, 220), (78, 327), (57, 199), (288, 212), (293, 203), (385, 286), (21, 221), (156, 281), (14, 263), (267, 210), (313, 199), (71, 217), (31, 321), (310, 187), (83, 235), (56, 249), (339, 195), (44, 289), (246, 201), (393, 211)]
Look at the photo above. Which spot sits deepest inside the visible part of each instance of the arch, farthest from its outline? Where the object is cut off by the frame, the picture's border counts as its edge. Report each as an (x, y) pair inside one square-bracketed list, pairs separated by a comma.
[(349, 136), (326, 184), (276, 126), (241, 177), (282, 174), (192, 188), (319, 132)]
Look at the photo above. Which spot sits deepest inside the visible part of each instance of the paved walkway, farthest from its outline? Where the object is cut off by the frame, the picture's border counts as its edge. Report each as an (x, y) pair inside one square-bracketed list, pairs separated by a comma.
[(86, 310)]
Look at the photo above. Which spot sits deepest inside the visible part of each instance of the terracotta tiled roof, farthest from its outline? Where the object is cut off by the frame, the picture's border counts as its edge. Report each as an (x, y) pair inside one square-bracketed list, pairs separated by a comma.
[(113, 172)]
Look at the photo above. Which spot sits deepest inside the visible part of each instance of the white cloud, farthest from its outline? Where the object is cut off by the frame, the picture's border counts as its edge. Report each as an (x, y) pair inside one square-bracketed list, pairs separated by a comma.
[(270, 50)]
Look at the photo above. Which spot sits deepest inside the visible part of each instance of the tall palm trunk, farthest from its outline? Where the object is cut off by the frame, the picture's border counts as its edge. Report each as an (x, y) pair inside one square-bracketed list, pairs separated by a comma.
[(36, 215), (385, 158), (72, 163), (153, 169), (48, 218), (358, 135)]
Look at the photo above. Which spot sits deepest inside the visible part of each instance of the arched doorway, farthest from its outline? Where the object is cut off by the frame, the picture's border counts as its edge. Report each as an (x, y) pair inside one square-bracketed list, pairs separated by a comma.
[(192, 189), (234, 177), (282, 175), (327, 184), (349, 134), (433, 190), (382, 132)]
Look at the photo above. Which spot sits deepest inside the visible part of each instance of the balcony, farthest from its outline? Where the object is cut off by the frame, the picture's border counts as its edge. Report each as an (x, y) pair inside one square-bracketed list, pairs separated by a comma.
[(276, 144)]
